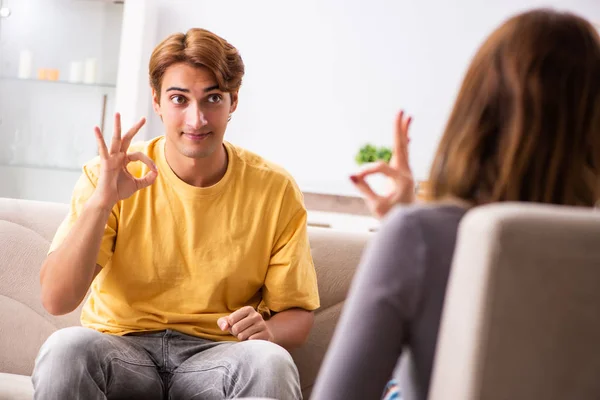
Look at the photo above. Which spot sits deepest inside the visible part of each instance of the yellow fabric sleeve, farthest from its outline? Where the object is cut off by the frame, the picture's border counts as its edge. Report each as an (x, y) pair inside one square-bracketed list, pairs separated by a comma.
[(85, 186), (291, 280)]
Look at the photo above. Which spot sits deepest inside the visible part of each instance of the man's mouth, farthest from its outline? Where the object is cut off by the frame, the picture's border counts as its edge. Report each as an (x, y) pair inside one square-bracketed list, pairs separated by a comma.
[(197, 136)]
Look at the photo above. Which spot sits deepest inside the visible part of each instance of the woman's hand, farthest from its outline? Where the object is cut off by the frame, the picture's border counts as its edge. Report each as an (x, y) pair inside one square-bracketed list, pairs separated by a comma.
[(398, 171)]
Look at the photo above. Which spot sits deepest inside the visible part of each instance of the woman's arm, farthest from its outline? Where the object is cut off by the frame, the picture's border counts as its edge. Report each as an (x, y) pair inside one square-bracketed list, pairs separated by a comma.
[(374, 323)]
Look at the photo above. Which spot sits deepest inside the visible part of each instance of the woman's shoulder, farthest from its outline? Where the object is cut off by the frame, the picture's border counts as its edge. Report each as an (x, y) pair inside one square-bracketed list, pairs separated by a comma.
[(434, 213)]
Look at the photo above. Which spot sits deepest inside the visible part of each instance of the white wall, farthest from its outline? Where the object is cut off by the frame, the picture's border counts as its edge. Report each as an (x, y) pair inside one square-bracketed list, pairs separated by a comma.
[(324, 77), (42, 184), (138, 41)]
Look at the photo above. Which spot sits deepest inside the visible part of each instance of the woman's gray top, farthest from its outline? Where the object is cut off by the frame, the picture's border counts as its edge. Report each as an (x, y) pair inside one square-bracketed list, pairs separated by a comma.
[(395, 304)]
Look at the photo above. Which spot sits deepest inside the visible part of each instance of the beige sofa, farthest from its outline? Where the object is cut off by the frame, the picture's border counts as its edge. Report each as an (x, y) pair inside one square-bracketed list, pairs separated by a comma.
[(26, 229), (520, 321), (522, 313)]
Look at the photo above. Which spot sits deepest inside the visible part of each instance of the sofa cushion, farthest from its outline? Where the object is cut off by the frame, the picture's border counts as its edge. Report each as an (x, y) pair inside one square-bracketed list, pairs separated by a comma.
[(25, 324), (15, 387), (336, 255), (39, 216)]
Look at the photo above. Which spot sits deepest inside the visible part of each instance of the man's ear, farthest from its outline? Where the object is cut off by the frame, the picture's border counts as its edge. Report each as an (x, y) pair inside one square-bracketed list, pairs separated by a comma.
[(156, 102), (234, 101)]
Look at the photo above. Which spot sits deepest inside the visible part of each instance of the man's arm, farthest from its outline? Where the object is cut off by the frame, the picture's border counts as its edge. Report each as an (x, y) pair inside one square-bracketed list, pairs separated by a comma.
[(290, 288), (68, 272), (290, 328)]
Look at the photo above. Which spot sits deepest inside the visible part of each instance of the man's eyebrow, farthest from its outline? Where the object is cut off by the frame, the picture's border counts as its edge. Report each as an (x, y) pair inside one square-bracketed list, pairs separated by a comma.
[(178, 89), (208, 89)]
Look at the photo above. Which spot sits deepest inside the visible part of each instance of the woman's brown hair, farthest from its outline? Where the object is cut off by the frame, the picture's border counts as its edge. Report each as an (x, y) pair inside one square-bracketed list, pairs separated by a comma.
[(526, 122), (199, 48)]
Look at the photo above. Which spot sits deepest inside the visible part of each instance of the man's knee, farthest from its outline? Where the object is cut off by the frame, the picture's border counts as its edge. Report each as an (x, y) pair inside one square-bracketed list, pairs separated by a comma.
[(61, 360), (73, 340), (69, 345), (269, 357)]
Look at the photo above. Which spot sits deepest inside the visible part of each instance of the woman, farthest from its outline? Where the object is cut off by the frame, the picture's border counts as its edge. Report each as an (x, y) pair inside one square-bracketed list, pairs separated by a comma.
[(525, 127)]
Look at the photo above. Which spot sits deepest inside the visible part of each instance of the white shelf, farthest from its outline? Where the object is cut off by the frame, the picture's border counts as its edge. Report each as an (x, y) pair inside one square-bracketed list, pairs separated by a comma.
[(44, 167), (58, 82), (345, 222)]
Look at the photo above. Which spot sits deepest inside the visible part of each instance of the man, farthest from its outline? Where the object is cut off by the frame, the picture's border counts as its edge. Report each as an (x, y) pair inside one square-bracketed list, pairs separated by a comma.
[(195, 249)]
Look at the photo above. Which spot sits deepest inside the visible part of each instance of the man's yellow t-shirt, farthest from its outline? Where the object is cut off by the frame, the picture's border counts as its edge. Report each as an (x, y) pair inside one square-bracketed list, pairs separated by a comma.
[(179, 257)]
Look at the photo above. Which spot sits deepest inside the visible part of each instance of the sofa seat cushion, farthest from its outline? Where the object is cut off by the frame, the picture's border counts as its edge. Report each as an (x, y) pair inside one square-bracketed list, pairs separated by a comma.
[(15, 387)]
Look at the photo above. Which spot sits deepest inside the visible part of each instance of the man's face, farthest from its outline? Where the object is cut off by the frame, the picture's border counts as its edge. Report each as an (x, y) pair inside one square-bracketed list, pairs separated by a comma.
[(193, 110)]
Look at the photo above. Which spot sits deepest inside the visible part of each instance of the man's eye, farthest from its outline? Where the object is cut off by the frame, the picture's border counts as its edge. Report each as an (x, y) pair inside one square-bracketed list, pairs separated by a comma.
[(214, 98), (178, 99)]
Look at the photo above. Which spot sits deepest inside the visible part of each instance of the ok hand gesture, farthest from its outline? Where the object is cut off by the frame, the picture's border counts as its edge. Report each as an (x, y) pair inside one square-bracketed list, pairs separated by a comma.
[(115, 183), (398, 171)]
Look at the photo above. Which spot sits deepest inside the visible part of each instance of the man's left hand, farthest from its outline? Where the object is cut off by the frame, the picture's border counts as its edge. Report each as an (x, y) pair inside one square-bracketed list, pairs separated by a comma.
[(246, 324)]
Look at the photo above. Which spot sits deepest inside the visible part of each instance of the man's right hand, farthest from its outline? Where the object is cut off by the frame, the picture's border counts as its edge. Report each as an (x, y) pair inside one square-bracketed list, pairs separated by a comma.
[(115, 183)]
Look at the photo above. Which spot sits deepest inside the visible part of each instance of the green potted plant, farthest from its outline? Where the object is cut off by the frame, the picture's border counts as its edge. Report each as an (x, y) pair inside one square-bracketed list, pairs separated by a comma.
[(369, 153)]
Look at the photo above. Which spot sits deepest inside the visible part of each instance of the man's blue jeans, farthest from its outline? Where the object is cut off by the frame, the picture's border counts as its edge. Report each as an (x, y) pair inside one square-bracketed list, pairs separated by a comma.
[(81, 363)]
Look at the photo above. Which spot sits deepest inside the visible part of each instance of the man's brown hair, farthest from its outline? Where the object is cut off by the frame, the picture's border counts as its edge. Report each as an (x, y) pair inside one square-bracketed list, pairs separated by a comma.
[(198, 48)]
